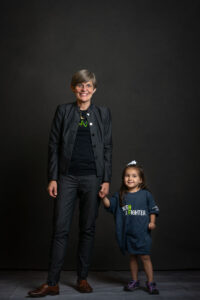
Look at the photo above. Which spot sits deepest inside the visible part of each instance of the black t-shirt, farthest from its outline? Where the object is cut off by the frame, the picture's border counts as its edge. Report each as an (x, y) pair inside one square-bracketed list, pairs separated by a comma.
[(82, 161)]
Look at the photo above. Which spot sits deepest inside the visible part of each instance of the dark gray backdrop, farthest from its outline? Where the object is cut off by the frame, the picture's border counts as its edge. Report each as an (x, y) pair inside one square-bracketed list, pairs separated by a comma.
[(146, 58)]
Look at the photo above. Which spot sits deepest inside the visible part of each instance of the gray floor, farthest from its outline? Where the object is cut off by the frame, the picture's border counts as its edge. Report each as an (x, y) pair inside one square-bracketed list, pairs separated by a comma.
[(107, 285)]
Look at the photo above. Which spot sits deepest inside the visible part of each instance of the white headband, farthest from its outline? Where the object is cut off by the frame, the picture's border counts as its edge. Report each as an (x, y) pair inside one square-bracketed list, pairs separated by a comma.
[(133, 162)]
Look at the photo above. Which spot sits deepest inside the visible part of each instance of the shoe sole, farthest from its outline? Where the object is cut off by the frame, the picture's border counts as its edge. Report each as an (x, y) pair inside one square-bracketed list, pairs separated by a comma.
[(131, 290), (40, 296), (82, 291), (152, 293)]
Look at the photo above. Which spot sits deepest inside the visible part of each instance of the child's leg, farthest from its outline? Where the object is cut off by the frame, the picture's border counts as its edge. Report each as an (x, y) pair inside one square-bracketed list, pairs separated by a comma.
[(134, 266), (148, 268)]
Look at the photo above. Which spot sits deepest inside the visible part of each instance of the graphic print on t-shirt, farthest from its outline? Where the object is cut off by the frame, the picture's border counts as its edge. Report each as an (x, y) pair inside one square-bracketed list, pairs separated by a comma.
[(127, 209)]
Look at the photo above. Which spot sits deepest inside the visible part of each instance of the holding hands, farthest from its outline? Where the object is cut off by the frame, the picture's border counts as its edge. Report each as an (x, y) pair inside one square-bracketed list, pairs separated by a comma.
[(104, 190)]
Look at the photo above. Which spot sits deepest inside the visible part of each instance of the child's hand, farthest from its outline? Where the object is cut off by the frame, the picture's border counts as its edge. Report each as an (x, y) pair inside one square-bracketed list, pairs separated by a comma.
[(152, 225), (101, 194)]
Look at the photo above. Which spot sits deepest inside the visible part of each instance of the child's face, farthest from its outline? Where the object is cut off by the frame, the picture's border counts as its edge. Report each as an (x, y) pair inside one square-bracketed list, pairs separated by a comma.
[(84, 91), (132, 179)]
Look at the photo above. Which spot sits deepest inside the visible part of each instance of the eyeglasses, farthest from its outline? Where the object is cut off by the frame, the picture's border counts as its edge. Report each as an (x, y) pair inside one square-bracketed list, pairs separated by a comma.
[(84, 85)]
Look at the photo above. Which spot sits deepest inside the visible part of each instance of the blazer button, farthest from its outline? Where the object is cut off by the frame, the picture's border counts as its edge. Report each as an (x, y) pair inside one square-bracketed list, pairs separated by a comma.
[(94, 146), (93, 134)]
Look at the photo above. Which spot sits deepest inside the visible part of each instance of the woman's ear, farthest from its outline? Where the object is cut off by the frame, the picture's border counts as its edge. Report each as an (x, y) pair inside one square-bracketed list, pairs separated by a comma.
[(72, 88)]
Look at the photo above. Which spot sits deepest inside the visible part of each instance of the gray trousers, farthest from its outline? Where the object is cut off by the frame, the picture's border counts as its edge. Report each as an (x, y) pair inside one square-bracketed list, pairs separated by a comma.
[(70, 188)]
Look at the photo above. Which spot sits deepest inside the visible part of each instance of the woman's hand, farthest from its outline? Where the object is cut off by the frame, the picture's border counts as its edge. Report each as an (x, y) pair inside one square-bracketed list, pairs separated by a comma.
[(52, 188), (152, 225), (104, 189)]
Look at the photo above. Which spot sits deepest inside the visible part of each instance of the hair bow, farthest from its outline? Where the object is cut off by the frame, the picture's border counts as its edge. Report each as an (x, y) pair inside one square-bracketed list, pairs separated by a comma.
[(133, 162)]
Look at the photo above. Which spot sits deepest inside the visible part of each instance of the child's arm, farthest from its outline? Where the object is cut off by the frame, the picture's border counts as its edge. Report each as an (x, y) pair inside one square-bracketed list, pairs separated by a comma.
[(106, 202), (110, 204), (153, 211), (152, 224)]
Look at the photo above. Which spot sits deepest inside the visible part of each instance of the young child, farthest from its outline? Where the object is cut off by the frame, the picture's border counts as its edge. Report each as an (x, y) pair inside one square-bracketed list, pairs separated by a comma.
[(135, 213)]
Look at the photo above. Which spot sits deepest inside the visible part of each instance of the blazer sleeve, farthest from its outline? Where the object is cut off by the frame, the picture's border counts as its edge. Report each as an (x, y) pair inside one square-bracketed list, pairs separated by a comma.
[(107, 147), (54, 144)]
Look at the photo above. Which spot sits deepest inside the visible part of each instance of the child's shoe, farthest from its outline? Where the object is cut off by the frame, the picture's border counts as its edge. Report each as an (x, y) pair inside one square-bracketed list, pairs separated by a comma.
[(151, 287), (132, 286)]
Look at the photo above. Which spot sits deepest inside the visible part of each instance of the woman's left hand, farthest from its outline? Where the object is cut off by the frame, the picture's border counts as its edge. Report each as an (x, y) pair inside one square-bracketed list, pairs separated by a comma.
[(104, 189)]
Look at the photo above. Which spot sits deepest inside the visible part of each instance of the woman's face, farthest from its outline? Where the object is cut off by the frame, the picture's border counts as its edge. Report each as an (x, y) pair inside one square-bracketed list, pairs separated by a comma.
[(84, 91)]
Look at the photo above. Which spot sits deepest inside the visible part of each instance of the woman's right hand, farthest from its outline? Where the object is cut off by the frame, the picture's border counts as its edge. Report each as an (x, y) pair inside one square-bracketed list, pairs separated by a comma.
[(52, 188)]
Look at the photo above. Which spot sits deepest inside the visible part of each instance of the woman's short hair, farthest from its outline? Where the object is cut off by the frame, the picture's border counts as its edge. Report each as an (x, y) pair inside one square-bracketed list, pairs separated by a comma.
[(83, 76)]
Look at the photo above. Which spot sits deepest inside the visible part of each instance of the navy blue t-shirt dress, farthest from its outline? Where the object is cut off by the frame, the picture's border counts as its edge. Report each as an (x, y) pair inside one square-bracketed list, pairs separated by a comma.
[(132, 219)]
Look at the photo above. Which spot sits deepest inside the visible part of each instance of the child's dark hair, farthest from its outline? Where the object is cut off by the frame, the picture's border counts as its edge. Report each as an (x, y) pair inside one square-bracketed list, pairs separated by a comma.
[(123, 188)]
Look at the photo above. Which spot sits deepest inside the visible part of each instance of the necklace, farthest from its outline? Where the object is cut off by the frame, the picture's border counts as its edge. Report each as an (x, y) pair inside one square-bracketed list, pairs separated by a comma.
[(81, 116)]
